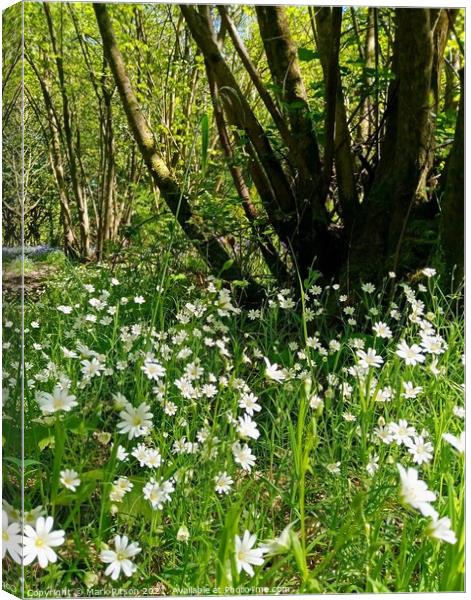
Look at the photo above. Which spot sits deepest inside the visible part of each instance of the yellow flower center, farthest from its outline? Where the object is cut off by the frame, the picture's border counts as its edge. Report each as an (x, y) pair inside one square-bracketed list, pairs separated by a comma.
[(120, 556), (39, 542), (5, 536), (137, 421)]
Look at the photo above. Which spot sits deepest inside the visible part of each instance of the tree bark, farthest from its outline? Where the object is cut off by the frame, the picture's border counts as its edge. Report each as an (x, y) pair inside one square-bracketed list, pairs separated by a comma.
[(441, 20), (452, 67), (328, 39), (106, 209), (255, 77), (367, 119), (283, 62), (241, 114), (452, 221), (313, 242)]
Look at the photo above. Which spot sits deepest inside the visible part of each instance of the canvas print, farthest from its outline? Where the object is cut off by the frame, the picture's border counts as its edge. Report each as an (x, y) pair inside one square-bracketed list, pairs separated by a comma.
[(233, 319)]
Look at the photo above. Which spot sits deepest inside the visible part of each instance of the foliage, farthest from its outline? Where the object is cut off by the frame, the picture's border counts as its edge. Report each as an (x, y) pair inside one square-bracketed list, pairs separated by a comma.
[(171, 85)]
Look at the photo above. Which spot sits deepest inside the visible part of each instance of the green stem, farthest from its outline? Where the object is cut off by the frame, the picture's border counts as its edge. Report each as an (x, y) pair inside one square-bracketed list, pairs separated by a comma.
[(108, 476), (59, 445)]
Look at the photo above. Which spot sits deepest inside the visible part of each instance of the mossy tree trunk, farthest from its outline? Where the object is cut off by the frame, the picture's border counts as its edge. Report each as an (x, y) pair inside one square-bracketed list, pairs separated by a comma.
[(452, 221), (381, 223)]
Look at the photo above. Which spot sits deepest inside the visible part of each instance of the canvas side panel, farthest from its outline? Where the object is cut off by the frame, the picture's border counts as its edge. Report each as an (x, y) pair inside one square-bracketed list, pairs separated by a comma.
[(12, 276)]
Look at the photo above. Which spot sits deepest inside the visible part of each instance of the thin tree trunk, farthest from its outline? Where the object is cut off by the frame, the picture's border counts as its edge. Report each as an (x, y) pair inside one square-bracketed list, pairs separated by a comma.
[(70, 242), (328, 37), (367, 121), (71, 154), (258, 83), (267, 248), (452, 67), (211, 250), (440, 23), (239, 109), (105, 212), (313, 243), (109, 179), (283, 61), (57, 164)]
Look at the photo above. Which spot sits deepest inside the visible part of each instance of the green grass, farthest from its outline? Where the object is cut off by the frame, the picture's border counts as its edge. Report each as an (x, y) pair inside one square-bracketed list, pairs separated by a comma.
[(349, 532), (16, 266)]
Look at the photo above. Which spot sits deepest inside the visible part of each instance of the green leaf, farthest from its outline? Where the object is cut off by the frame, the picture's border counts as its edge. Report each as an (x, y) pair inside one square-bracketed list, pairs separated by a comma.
[(27, 462), (226, 545), (59, 446), (83, 493), (296, 105), (227, 265), (306, 54), (242, 283), (47, 442), (93, 475), (377, 587), (298, 554), (134, 503)]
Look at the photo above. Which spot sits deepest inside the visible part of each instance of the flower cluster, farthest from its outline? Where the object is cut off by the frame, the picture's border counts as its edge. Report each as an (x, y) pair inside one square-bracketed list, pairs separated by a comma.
[(154, 416), (33, 542)]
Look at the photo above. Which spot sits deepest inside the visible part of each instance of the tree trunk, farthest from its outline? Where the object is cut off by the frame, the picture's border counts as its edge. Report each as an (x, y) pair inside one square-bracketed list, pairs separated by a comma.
[(291, 188), (71, 246), (367, 119), (240, 112), (314, 245), (271, 106), (440, 23), (282, 59), (452, 221), (211, 250), (340, 140), (70, 242), (68, 133), (269, 252), (452, 67), (381, 223), (110, 182)]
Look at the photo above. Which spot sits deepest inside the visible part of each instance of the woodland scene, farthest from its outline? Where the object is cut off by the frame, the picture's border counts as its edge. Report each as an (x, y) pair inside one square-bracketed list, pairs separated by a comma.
[(233, 315)]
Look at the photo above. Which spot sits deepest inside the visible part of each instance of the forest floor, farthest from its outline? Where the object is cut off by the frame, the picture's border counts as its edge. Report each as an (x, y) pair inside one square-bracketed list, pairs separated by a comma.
[(34, 273), (34, 281)]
